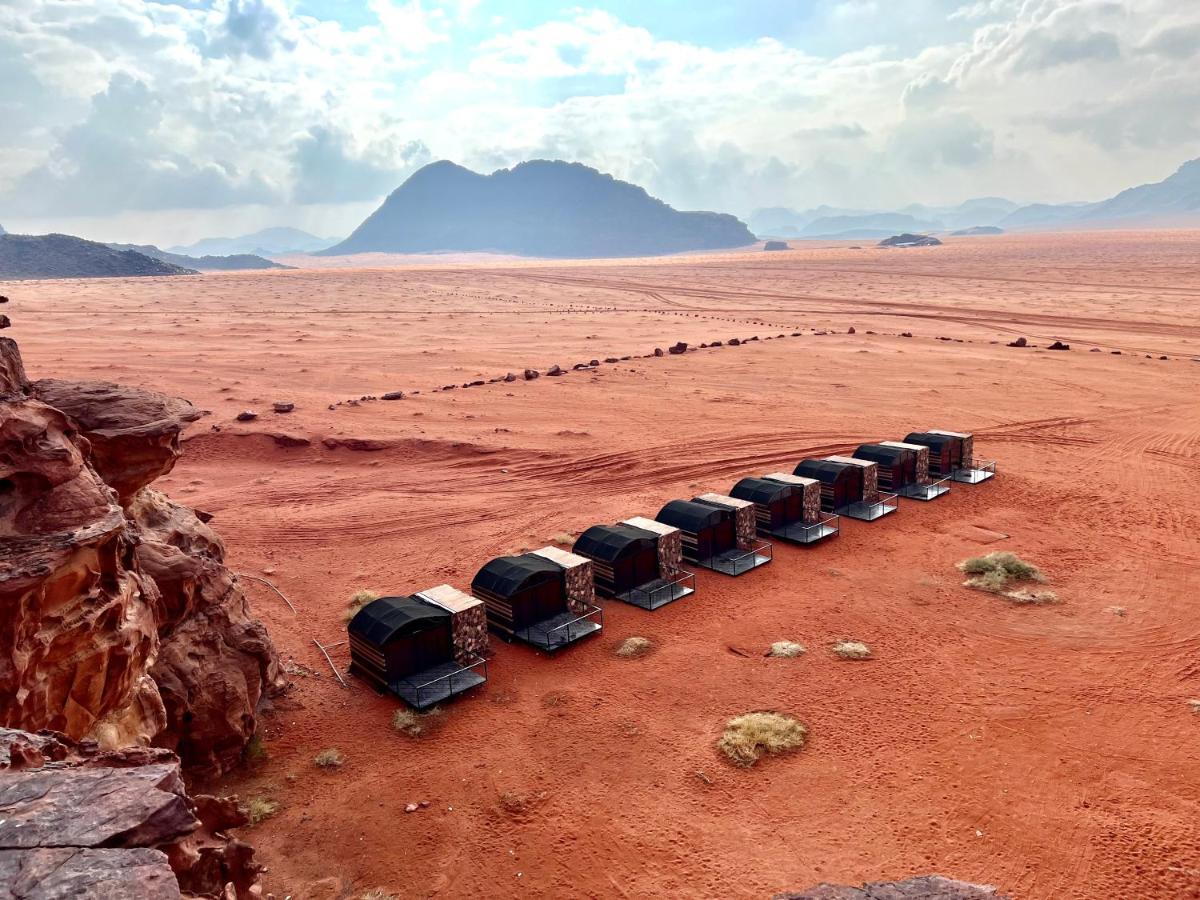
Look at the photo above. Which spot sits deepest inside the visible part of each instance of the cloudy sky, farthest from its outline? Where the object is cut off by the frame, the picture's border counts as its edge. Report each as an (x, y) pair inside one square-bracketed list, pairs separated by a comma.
[(170, 121)]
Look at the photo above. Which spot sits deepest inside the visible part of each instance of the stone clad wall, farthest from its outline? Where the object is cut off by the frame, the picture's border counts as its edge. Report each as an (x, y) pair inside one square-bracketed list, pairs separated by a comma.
[(469, 631), (745, 522), (581, 589), (871, 483), (670, 554), (812, 502), (923, 466), (968, 451)]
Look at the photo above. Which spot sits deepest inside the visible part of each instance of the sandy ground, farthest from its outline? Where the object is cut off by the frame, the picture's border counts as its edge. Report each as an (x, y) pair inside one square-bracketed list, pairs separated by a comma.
[(1051, 751)]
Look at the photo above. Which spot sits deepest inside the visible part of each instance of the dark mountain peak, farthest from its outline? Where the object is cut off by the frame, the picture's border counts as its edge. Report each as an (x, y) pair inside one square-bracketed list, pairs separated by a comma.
[(540, 207), (65, 256)]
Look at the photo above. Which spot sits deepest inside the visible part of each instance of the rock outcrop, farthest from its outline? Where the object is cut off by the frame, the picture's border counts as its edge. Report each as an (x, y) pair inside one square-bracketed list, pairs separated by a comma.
[(118, 619), (926, 887), (76, 821), (910, 240)]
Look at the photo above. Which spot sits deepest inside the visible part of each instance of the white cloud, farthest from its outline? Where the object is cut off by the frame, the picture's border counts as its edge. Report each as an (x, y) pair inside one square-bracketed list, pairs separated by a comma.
[(117, 105)]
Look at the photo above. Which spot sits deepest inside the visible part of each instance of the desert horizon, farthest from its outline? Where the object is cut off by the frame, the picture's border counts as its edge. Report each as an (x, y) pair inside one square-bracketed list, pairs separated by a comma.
[(1038, 748)]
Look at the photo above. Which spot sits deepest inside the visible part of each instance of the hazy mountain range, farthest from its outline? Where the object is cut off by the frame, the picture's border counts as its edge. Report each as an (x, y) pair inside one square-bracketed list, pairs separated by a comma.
[(64, 256), (233, 262), (279, 241), (1175, 201), (538, 208)]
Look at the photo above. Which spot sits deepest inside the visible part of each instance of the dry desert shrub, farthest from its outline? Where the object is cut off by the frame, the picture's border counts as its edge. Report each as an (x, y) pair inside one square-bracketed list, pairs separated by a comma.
[(415, 724), (997, 571), (330, 758), (358, 600), (256, 750), (633, 647), (786, 650), (851, 650), (260, 808), (378, 894), (565, 538), (747, 737), (1195, 705)]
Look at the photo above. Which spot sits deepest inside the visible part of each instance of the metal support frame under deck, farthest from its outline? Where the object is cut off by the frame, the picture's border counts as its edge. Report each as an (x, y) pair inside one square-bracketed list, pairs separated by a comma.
[(927, 492), (978, 471), (737, 561), (806, 532), (565, 628), (660, 591), (869, 511), (441, 682)]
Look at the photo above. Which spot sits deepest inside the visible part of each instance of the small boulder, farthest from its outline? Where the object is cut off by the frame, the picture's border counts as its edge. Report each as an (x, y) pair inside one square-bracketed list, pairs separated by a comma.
[(510, 377), (531, 374), (3, 299), (851, 330), (1019, 342), (611, 359), (394, 395), (5, 322), (679, 348), (658, 351), (1059, 345), (555, 370), (906, 334), (734, 342), (594, 363), (281, 407), (247, 415)]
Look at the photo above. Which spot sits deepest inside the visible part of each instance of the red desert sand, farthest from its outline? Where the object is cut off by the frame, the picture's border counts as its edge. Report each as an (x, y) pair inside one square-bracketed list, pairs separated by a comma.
[(1048, 750)]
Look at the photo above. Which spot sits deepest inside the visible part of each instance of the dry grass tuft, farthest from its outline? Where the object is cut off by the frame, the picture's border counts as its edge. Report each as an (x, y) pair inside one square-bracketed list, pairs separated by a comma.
[(565, 538), (996, 572), (415, 724), (358, 600), (1195, 705), (259, 809), (851, 650), (633, 647), (786, 650), (256, 750), (378, 894), (747, 737), (513, 804), (330, 758)]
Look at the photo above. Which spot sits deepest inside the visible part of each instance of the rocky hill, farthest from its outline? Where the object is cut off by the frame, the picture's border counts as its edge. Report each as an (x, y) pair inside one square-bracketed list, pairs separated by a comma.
[(233, 263), (539, 208), (278, 241), (63, 256), (119, 621)]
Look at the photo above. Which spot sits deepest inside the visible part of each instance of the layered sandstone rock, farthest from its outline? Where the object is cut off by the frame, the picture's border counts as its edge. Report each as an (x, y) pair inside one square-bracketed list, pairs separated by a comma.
[(118, 617), (77, 821), (926, 887)]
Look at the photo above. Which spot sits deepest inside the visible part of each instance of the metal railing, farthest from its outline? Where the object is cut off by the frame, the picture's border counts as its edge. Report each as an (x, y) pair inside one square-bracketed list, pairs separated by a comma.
[(870, 510), (811, 532), (973, 471), (664, 591), (553, 636), (930, 491), (441, 687), (731, 563)]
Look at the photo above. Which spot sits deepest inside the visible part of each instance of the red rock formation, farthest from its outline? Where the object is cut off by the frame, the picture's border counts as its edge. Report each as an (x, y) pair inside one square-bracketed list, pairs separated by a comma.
[(926, 887), (118, 617), (78, 821)]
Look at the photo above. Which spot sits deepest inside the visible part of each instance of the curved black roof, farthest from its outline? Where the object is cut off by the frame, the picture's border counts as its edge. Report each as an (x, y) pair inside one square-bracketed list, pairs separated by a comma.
[(388, 617), (882, 454), (825, 470), (507, 575), (929, 439), (762, 490), (609, 542), (692, 517)]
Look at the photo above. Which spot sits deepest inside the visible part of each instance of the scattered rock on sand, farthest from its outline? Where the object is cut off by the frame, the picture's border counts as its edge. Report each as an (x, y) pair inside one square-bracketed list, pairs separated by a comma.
[(531, 374), (910, 240), (658, 351), (776, 245), (929, 887), (1059, 345), (394, 395), (555, 371), (734, 342), (1019, 342), (5, 322), (680, 347), (283, 407), (851, 330), (510, 377), (611, 359), (247, 415), (906, 334)]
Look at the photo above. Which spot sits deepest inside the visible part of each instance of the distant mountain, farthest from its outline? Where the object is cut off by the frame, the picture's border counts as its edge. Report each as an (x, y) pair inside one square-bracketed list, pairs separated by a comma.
[(279, 241), (538, 208), (911, 240), (977, 230), (2, 231), (236, 262), (829, 223), (64, 256), (1172, 201)]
